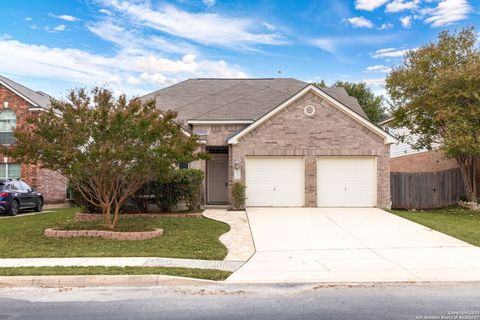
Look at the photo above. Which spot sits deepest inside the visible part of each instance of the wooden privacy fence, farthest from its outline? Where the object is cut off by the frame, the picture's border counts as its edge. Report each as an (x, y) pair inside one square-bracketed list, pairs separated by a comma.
[(426, 190)]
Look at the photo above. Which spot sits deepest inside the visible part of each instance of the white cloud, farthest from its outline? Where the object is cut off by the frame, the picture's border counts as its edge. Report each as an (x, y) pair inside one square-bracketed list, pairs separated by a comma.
[(203, 28), (375, 81), (333, 44), (60, 27), (406, 21), (447, 12), (28, 19), (64, 17), (269, 26), (360, 22), (379, 68), (105, 11), (390, 53), (326, 44), (132, 40), (401, 5), (369, 5), (126, 71), (209, 3), (385, 26)]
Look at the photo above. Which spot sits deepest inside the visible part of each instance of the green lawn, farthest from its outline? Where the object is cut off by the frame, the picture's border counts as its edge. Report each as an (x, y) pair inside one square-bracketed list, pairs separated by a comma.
[(180, 272), (195, 238), (458, 222)]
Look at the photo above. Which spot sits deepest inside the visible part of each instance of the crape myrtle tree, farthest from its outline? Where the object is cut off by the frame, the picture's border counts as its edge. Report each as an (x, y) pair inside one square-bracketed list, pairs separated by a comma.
[(107, 147), (435, 94)]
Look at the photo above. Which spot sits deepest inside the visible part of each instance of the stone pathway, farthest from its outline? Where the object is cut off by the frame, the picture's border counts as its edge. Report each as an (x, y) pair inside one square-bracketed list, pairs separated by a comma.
[(238, 240), (122, 262)]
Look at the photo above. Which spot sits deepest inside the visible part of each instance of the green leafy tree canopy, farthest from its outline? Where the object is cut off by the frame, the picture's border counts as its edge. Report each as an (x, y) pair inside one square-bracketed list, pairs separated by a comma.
[(107, 147), (371, 104), (435, 94)]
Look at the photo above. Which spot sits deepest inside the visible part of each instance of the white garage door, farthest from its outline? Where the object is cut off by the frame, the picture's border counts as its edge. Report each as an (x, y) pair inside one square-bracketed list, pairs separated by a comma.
[(346, 181), (275, 181)]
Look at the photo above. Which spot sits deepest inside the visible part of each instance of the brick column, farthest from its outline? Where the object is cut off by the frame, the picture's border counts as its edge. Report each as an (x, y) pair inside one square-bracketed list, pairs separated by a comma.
[(310, 181)]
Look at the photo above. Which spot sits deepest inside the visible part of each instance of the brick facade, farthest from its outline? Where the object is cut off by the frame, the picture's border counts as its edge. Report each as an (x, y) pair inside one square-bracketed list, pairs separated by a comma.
[(217, 134), (54, 190), (329, 132), (429, 161)]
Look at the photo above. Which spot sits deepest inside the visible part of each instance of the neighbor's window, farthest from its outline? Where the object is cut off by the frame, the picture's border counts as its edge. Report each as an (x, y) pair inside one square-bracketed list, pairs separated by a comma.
[(10, 170), (183, 165), (8, 122)]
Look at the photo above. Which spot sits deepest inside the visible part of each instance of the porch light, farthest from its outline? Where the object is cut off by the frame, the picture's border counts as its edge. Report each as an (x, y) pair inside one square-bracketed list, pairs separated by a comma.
[(237, 175)]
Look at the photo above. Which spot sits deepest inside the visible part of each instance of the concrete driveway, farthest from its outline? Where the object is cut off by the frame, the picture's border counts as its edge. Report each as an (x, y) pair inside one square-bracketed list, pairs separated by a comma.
[(351, 245)]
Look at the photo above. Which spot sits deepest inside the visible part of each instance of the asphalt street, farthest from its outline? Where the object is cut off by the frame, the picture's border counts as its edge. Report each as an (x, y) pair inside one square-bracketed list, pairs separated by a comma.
[(405, 301)]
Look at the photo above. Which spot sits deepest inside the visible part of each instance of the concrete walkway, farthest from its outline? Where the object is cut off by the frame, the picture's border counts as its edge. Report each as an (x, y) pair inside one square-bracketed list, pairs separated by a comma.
[(238, 240), (122, 262), (351, 245)]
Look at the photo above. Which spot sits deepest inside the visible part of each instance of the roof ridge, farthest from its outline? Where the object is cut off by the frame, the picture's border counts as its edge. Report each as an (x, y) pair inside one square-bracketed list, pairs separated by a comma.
[(237, 78)]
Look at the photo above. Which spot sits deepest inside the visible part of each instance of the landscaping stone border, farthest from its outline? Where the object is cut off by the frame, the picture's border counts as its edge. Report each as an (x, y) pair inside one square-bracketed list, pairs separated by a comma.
[(112, 235), (79, 216)]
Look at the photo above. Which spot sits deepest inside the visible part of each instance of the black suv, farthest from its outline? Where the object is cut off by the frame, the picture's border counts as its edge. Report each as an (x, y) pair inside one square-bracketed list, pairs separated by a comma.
[(16, 195)]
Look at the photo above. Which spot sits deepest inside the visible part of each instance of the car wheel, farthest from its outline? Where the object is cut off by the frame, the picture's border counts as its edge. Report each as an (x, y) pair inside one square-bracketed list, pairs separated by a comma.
[(14, 208), (39, 206)]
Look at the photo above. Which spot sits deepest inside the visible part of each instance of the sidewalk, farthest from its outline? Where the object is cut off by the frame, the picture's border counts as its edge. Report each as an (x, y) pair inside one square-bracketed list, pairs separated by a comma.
[(122, 262)]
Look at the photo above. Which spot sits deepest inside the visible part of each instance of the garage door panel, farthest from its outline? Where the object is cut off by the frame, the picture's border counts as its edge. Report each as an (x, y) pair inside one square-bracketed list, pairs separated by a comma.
[(346, 181), (275, 181)]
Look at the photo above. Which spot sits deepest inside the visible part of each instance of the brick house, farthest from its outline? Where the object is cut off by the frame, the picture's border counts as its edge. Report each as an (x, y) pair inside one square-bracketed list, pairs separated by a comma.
[(405, 159), (17, 103), (291, 143)]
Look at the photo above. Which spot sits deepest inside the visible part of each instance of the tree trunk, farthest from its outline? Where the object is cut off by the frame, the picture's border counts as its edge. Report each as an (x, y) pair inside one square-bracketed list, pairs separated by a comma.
[(107, 219), (468, 169), (115, 216)]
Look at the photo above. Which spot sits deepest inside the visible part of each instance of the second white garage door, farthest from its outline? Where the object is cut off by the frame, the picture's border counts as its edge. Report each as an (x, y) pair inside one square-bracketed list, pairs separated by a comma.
[(346, 181), (275, 181)]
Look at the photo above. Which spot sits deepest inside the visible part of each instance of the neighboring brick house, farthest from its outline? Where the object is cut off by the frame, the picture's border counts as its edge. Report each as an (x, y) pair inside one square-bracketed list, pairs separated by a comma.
[(17, 103), (291, 143), (405, 159)]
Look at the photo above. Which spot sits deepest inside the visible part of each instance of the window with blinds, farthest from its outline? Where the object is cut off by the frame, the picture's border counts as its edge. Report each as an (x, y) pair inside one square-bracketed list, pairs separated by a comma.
[(8, 122), (10, 171)]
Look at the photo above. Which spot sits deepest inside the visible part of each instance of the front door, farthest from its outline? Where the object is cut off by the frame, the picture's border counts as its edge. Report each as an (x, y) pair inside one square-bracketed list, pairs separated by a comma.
[(217, 178)]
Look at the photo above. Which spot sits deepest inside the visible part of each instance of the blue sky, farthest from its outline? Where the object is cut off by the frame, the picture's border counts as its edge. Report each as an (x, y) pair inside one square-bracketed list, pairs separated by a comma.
[(137, 46)]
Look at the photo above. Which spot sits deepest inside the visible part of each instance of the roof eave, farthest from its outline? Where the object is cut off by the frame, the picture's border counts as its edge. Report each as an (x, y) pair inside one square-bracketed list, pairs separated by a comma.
[(20, 94)]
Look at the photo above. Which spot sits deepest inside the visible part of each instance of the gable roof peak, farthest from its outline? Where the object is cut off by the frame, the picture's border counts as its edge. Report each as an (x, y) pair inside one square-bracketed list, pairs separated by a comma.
[(36, 98)]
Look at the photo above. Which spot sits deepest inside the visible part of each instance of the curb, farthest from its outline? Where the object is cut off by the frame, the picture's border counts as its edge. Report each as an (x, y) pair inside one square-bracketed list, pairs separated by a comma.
[(101, 281)]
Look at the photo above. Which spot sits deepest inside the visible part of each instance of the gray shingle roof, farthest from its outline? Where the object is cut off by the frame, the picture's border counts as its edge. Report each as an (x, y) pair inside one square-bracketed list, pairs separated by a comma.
[(40, 99), (235, 99)]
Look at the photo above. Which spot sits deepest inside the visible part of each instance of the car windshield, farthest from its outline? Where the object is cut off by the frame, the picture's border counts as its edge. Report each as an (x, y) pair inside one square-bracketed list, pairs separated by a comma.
[(2, 187)]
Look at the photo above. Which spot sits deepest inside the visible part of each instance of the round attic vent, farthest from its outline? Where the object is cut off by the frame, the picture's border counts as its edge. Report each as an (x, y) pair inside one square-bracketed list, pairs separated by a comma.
[(309, 110)]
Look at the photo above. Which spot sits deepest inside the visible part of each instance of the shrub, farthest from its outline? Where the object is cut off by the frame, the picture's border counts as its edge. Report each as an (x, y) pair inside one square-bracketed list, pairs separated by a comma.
[(166, 192), (80, 201), (238, 195), (177, 185), (189, 181)]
